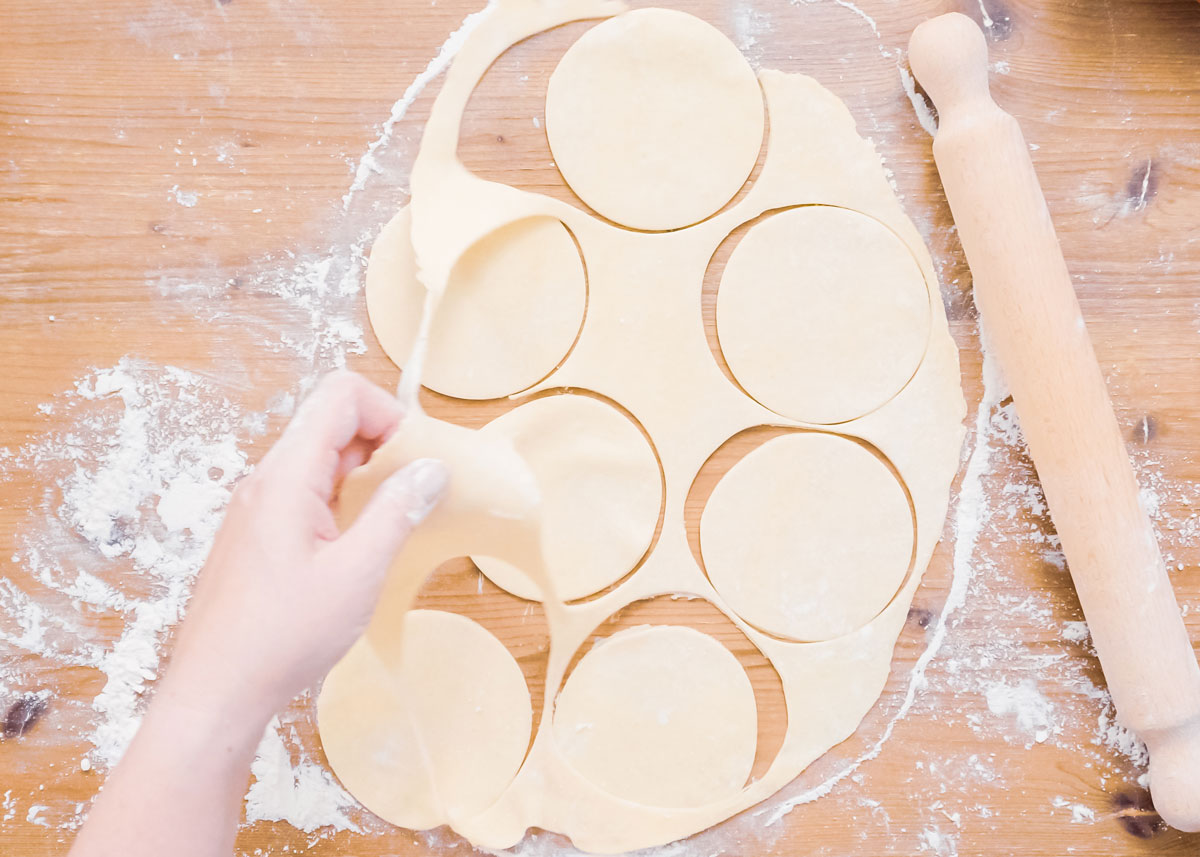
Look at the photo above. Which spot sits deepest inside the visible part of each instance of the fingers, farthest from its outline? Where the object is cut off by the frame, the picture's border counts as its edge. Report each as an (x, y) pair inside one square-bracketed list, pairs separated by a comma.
[(336, 428), (401, 502), (354, 454)]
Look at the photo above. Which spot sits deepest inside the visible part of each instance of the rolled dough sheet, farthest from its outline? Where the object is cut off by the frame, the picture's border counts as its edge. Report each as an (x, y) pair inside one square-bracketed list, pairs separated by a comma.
[(880, 439)]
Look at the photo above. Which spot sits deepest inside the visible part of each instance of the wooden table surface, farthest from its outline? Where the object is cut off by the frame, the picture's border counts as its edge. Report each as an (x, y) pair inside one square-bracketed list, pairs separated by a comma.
[(162, 160)]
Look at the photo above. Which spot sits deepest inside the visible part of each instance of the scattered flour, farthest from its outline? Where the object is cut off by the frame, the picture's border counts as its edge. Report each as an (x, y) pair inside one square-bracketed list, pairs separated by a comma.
[(935, 841), (846, 4), (1118, 739), (135, 489), (305, 796), (920, 106), (146, 467), (186, 198), (1034, 713), (988, 23), (1075, 631), (368, 164), (856, 10), (1080, 813), (133, 498)]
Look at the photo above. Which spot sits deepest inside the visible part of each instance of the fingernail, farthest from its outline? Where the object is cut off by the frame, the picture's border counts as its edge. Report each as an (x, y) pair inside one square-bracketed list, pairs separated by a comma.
[(423, 482)]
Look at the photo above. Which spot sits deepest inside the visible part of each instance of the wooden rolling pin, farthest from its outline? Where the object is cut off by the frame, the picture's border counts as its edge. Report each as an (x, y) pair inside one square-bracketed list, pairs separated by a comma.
[(1035, 328)]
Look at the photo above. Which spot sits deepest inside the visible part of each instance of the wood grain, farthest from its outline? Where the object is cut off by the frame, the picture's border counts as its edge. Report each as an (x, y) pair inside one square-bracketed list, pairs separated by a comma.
[(104, 107)]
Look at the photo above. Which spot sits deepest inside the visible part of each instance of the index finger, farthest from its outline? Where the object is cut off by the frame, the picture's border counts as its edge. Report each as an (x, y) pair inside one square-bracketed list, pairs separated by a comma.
[(344, 408)]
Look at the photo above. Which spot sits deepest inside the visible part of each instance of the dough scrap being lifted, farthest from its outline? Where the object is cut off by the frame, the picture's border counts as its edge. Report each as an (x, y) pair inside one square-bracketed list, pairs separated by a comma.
[(510, 314)]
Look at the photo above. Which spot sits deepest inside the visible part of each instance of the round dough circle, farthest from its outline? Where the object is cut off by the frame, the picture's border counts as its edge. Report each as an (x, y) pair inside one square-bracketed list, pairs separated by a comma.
[(461, 689), (511, 311), (659, 715), (808, 537), (654, 118), (822, 314), (601, 493)]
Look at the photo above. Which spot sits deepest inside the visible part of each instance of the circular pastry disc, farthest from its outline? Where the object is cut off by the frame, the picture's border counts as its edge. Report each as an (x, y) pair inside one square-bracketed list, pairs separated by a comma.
[(660, 715), (440, 741), (511, 310), (808, 537), (822, 314), (601, 492), (654, 118)]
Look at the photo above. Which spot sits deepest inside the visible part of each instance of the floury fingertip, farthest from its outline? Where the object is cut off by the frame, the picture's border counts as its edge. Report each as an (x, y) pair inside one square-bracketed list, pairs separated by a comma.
[(423, 482)]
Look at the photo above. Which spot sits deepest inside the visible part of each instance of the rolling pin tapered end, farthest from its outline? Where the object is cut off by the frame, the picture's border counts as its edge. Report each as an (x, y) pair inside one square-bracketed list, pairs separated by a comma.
[(1175, 775), (949, 57)]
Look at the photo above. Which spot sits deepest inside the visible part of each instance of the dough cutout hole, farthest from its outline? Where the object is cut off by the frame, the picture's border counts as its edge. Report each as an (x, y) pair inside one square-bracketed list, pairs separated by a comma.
[(708, 293), (700, 615), (759, 162), (822, 314), (718, 464), (448, 408), (833, 563), (603, 491), (518, 295), (505, 123), (458, 586), (503, 133)]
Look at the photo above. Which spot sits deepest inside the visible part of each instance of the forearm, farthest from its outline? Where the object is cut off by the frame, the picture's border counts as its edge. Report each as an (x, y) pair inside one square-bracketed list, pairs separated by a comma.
[(179, 788), (283, 595)]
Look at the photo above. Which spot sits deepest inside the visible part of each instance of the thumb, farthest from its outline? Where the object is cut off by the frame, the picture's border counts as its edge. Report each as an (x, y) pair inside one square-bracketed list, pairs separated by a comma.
[(401, 501)]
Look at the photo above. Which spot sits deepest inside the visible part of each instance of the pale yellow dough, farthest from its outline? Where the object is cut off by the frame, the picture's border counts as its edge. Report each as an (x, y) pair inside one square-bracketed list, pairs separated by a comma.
[(601, 493), (642, 107), (512, 310), (663, 716), (822, 313), (643, 346), (441, 741), (808, 537)]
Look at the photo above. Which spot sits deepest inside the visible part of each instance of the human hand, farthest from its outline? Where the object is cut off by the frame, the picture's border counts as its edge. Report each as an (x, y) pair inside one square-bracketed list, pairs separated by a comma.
[(284, 594)]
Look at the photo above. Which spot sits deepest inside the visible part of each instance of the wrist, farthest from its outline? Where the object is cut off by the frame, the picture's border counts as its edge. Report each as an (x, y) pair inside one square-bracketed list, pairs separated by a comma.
[(210, 704)]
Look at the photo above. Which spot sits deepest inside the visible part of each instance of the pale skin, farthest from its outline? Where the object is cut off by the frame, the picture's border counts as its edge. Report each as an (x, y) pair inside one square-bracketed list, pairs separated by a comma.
[(280, 599)]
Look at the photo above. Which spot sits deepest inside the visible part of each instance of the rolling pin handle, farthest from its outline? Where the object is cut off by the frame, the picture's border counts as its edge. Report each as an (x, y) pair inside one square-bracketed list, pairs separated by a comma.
[(949, 57)]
